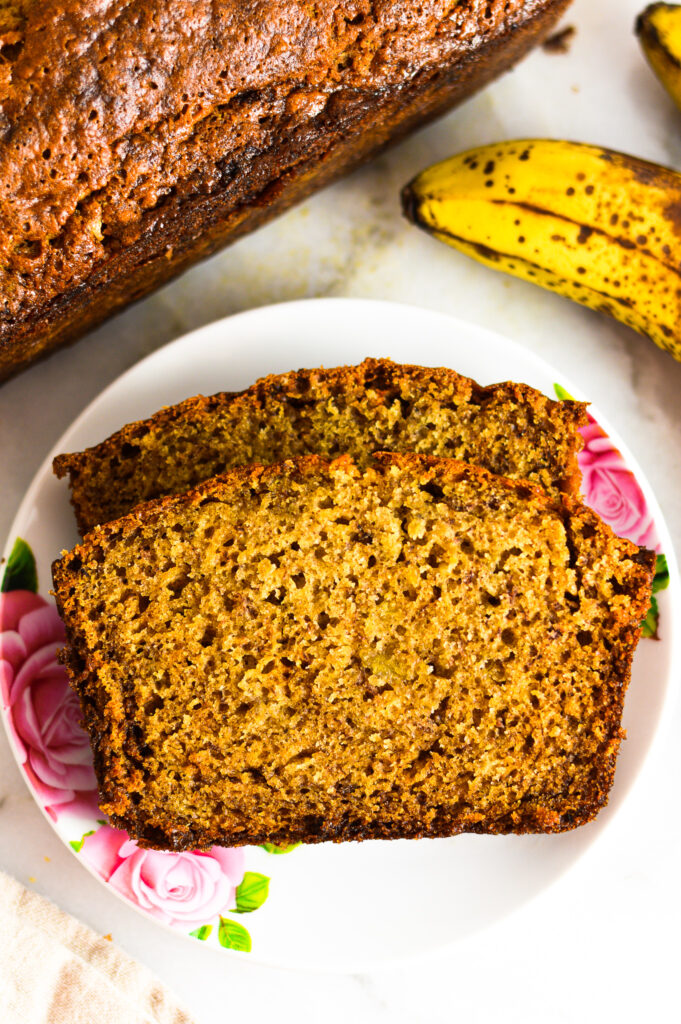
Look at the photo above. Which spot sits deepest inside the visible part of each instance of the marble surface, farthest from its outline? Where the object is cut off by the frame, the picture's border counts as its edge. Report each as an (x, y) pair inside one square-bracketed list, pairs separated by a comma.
[(603, 942)]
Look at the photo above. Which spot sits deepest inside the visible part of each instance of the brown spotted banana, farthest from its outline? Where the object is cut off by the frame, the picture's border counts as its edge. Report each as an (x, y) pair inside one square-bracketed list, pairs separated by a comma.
[(597, 226), (659, 32)]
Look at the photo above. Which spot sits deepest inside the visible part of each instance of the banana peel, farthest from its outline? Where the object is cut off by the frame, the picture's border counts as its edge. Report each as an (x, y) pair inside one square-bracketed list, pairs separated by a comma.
[(658, 28), (597, 226)]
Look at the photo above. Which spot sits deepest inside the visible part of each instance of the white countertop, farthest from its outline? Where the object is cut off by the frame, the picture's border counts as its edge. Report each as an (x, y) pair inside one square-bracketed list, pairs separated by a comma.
[(603, 942)]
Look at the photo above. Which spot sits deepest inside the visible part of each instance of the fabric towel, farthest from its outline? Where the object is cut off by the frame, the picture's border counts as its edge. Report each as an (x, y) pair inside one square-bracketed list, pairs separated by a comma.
[(55, 970)]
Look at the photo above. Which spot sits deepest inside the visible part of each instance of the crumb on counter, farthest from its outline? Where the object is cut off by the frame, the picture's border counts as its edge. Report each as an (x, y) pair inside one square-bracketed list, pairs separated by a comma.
[(560, 41)]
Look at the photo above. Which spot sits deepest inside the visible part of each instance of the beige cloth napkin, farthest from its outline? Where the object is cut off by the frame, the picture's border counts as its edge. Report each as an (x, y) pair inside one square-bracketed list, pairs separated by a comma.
[(55, 970)]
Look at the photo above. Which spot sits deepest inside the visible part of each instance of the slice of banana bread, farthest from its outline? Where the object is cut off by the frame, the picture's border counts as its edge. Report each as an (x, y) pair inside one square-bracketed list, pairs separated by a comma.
[(316, 651), (508, 428)]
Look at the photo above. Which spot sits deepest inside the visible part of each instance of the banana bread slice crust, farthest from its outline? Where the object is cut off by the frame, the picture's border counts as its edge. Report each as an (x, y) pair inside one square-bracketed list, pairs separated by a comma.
[(317, 651)]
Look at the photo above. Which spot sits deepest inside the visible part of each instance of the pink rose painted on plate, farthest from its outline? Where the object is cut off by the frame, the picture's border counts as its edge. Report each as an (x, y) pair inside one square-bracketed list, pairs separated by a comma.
[(181, 889), (611, 489), (41, 709)]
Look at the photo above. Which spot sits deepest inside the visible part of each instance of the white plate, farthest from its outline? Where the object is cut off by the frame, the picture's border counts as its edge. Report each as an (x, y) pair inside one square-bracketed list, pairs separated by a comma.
[(334, 907)]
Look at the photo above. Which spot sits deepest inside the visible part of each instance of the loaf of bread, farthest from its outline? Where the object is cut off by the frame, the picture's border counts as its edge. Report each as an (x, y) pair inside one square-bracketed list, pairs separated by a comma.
[(137, 136), (315, 651), (509, 429)]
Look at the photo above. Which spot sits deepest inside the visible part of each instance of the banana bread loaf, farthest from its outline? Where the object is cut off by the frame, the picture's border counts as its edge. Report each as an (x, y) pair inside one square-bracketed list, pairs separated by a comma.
[(316, 651), (137, 136), (510, 429)]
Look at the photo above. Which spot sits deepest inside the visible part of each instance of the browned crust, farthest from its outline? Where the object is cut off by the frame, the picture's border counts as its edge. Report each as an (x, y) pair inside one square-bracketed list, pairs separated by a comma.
[(557, 815), (381, 375), (191, 227)]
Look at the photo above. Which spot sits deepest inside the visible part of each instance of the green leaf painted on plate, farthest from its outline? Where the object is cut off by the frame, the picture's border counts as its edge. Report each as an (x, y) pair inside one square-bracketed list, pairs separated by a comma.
[(233, 935), (562, 394), (252, 892), (77, 844), (271, 848), (651, 621), (661, 581), (202, 933), (20, 571)]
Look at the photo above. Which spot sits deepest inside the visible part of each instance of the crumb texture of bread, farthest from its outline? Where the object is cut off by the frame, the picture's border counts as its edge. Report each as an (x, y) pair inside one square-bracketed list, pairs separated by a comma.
[(139, 136), (320, 651), (510, 429)]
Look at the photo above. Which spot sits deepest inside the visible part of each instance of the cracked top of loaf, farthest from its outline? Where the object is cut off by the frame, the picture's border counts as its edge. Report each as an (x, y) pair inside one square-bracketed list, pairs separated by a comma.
[(113, 114)]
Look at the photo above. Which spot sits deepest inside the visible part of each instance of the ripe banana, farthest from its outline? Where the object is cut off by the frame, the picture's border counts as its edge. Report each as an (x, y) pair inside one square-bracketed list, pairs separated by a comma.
[(659, 31), (596, 226)]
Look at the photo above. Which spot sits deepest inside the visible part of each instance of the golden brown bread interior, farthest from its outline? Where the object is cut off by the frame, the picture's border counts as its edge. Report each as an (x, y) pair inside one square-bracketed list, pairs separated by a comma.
[(13, 14), (316, 651), (138, 136), (508, 428)]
